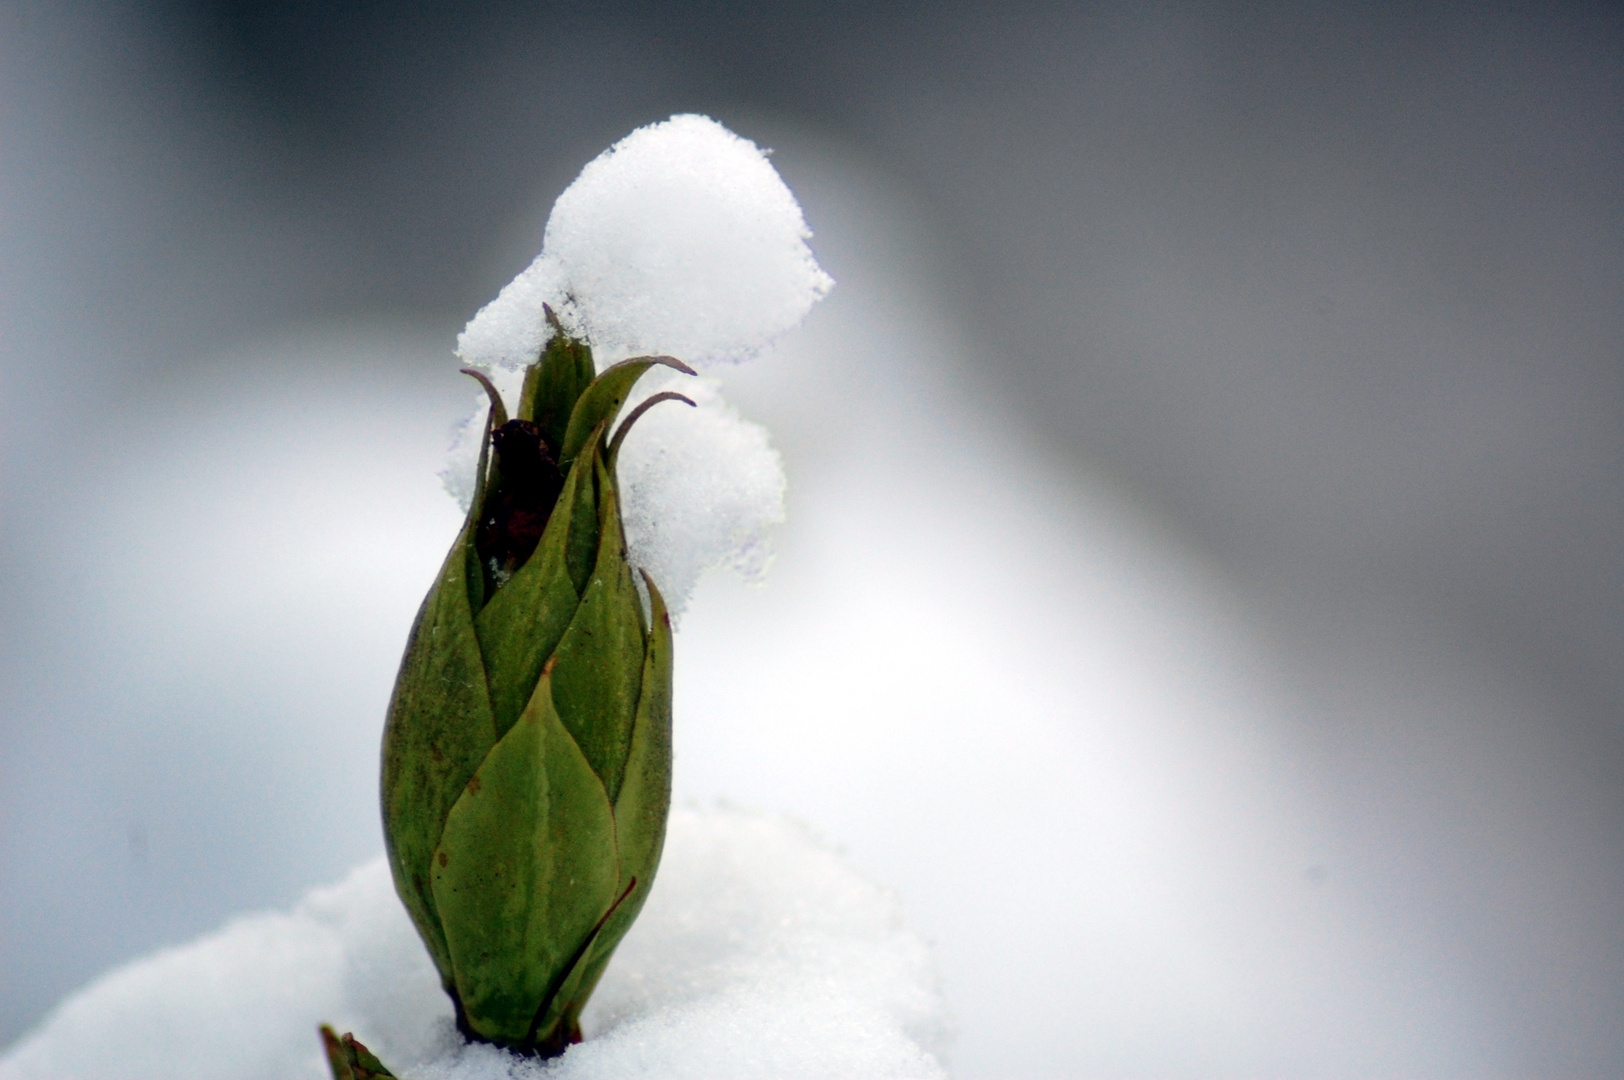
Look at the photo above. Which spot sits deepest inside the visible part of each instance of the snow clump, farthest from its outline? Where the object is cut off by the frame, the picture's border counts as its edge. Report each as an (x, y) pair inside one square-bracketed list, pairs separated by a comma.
[(759, 954), (682, 240)]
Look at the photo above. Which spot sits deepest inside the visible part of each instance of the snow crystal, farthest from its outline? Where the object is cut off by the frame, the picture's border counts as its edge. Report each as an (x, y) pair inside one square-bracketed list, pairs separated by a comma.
[(760, 953), (681, 239)]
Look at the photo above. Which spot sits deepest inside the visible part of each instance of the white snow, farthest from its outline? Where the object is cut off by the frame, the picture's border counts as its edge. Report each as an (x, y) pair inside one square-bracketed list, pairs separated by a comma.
[(760, 953), (1069, 741), (701, 487), (681, 239)]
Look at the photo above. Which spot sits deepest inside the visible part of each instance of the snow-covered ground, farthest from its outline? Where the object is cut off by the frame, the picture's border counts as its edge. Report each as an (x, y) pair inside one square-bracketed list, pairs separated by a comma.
[(759, 953)]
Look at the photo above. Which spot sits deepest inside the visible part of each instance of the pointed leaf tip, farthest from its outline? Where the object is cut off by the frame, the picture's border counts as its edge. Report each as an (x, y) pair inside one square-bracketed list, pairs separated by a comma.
[(632, 417), (349, 1058), (499, 414), (601, 402), (668, 361)]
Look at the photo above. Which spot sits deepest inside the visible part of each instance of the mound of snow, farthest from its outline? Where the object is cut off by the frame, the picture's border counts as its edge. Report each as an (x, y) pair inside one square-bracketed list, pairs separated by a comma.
[(681, 239), (760, 953)]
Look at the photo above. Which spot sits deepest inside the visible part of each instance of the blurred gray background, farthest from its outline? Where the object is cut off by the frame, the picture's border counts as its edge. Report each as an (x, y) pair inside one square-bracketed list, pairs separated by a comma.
[(1332, 295)]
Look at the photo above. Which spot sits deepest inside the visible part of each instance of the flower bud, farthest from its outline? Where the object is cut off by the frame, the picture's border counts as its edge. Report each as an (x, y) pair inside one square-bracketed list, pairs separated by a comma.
[(527, 753)]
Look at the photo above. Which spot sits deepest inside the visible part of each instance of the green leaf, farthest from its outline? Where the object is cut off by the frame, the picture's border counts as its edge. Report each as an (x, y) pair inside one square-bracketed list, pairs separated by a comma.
[(522, 624), (599, 669), (350, 1059), (338, 1057), (555, 383), (601, 402), (473, 572), (644, 802), (581, 554), (557, 1023), (524, 872), (439, 729)]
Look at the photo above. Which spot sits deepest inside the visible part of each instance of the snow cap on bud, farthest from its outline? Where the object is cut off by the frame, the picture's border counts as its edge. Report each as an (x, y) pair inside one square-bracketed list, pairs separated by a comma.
[(680, 239)]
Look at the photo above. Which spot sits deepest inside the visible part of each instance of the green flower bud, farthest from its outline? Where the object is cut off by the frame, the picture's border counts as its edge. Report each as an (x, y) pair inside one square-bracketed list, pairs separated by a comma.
[(527, 754)]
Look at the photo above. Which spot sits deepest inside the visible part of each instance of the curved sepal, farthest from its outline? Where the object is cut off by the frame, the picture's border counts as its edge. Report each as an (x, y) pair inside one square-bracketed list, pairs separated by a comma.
[(525, 870), (637, 414), (439, 730), (601, 402)]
